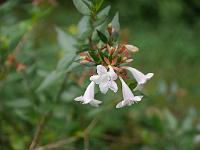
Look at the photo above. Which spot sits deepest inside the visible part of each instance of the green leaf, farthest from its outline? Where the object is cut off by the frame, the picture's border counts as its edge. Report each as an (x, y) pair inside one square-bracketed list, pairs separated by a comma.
[(88, 3), (115, 36), (94, 55), (82, 7), (98, 4), (102, 36), (64, 62), (104, 12), (102, 15), (83, 25), (101, 27), (101, 55), (65, 41), (106, 54), (83, 48), (187, 123), (171, 120), (51, 79), (19, 103), (115, 22)]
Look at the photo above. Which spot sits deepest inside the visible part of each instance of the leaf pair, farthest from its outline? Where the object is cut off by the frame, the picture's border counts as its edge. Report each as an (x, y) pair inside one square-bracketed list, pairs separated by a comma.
[(85, 7)]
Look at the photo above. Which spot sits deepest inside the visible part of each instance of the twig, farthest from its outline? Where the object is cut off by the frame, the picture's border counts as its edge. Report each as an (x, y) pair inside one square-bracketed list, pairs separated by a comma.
[(57, 144), (43, 119), (38, 132), (86, 142), (86, 133), (91, 126), (62, 142)]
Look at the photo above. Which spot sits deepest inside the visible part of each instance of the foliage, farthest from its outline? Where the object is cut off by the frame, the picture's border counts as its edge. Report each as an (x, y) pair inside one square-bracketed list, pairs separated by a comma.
[(40, 76)]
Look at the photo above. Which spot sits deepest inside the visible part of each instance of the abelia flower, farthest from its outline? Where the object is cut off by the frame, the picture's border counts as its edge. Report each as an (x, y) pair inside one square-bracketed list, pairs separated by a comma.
[(105, 79), (110, 58), (88, 97), (128, 97), (139, 77)]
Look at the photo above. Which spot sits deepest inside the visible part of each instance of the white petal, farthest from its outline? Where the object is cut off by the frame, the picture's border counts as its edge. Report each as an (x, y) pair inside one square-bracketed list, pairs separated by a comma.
[(120, 105), (124, 103), (79, 99), (89, 93), (112, 73), (138, 98), (149, 75), (139, 76), (101, 70), (126, 91), (95, 103), (104, 78), (113, 86), (95, 78), (104, 87)]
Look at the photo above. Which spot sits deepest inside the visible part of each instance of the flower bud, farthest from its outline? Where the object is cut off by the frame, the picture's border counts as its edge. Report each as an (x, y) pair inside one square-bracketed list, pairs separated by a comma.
[(132, 48)]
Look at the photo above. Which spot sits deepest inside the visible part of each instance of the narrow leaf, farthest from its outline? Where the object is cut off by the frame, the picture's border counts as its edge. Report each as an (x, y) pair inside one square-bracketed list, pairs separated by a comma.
[(94, 55), (102, 16), (83, 25), (104, 12), (98, 4), (82, 7), (115, 22), (102, 36), (65, 41), (51, 79), (19, 103)]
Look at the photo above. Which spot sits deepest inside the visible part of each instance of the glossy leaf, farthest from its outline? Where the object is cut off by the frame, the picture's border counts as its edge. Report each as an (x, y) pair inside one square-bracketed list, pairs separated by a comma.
[(94, 55), (102, 36)]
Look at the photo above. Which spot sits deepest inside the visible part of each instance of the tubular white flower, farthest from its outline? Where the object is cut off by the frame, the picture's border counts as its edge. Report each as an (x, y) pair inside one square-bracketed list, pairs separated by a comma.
[(128, 97), (105, 79), (88, 96), (140, 77), (132, 48)]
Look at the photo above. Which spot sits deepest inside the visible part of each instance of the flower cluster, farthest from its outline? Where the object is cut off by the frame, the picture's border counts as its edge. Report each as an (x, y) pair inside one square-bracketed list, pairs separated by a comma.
[(111, 61)]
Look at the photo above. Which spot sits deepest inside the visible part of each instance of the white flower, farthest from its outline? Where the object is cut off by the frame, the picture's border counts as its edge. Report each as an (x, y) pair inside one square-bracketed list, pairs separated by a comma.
[(88, 96), (132, 48), (128, 97), (140, 77), (105, 79)]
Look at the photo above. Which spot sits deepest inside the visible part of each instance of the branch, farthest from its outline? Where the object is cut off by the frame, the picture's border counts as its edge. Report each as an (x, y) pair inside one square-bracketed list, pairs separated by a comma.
[(86, 133), (60, 143), (57, 144), (43, 119), (38, 132)]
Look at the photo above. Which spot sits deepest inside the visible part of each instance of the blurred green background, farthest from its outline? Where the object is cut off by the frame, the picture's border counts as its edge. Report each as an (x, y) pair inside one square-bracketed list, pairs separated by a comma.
[(167, 33)]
